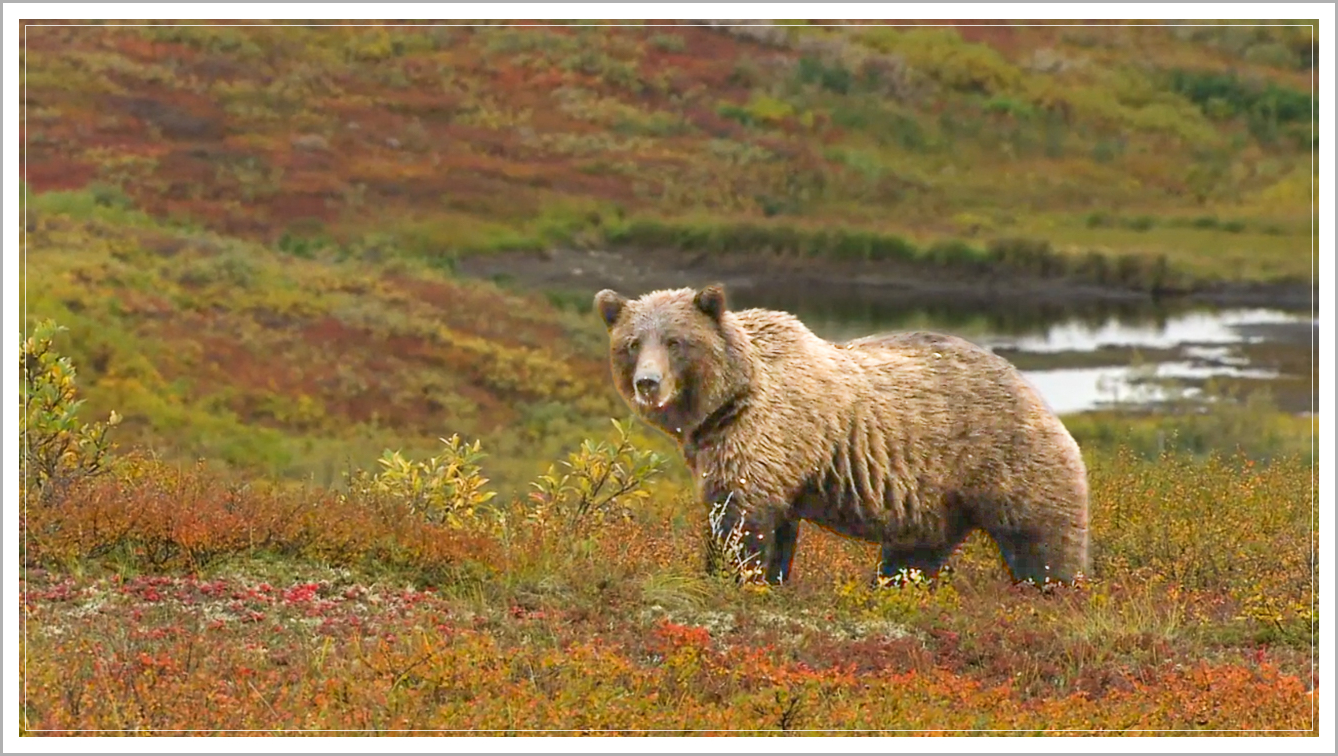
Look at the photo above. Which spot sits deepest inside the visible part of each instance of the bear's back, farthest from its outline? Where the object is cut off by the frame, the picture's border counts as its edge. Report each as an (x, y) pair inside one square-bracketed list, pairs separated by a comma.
[(954, 366)]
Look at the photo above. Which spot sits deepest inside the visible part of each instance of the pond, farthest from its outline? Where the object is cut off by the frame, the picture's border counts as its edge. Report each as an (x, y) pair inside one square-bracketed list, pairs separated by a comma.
[(1089, 357)]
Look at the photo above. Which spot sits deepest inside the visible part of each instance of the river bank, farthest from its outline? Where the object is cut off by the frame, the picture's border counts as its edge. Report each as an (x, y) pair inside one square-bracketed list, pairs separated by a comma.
[(572, 271)]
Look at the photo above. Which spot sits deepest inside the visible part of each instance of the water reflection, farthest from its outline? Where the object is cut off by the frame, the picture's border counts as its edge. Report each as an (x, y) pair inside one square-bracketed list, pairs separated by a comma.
[(1069, 390), (1204, 327), (841, 313), (1191, 343)]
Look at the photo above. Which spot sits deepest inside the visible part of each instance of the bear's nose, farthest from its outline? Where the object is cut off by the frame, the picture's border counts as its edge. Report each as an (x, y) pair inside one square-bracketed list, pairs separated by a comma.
[(647, 385)]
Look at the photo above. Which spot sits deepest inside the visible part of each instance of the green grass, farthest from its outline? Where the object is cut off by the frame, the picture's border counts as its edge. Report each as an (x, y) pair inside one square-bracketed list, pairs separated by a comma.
[(1251, 425), (1206, 253), (303, 365)]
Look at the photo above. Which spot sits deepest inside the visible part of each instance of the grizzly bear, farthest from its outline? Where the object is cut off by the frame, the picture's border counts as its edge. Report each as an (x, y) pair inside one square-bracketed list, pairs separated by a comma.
[(908, 440)]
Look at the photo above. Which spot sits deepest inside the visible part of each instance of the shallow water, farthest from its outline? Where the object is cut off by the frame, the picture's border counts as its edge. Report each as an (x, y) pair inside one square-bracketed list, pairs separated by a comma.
[(1202, 345), (1204, 327), (1092, 357), (1069, 390)]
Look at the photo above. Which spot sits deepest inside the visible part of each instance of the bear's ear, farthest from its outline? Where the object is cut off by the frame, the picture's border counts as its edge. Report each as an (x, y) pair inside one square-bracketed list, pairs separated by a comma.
[(711, 300), (610, 305)]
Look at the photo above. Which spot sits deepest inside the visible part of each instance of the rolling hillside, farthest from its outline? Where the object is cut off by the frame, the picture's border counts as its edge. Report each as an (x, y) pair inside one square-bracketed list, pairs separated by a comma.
[(1192, 141), (252, 229)]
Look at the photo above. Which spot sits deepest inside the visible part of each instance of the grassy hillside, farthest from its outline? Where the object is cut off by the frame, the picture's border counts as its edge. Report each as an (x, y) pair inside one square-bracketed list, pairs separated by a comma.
[(1188, 142), (218, 348)]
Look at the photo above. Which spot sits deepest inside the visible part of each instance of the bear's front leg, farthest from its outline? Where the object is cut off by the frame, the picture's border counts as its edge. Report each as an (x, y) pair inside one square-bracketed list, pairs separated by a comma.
[(784, 538), (754, 544)]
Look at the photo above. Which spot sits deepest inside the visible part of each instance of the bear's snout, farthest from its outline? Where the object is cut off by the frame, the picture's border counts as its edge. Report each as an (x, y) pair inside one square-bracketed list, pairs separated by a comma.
[(648, 386), (652, 381), (652, 391)]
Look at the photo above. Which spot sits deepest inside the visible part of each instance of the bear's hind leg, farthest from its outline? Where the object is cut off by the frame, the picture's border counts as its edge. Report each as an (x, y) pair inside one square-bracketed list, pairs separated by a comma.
[(1040, 560), (782, 551)]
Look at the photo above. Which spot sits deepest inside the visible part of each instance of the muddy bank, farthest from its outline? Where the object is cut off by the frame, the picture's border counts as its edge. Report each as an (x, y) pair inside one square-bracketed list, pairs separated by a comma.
[(911, 284)]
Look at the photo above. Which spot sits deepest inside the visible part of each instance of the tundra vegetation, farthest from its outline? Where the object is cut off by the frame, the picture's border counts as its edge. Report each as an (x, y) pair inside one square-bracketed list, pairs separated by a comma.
[(285, 471)]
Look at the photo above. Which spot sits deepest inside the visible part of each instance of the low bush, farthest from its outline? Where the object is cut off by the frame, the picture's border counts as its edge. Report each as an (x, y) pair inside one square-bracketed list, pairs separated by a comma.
[(58, 449)]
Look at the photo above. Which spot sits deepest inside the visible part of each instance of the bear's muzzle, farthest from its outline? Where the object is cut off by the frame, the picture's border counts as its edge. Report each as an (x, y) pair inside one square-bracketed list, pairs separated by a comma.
[(652, 386)]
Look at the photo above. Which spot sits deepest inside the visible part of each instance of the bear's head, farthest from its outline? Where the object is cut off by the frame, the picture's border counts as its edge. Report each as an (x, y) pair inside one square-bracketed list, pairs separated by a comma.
[(677, 355)]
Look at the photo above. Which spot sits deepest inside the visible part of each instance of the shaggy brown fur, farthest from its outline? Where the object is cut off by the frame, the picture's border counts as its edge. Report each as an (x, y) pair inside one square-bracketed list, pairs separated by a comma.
[(910, 440)]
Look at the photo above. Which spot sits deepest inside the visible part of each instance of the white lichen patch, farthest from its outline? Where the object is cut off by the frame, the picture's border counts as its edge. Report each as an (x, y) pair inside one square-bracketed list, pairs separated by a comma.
[(844, 629), (715, 623)]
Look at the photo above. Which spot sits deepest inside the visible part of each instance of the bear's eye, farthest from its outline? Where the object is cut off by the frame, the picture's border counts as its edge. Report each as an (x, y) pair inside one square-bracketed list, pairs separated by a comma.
[(633, 345), (674, 343)]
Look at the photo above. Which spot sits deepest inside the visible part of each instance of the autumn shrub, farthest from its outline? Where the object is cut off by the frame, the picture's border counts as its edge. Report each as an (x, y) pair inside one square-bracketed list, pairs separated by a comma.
[(58, 449), (944, 56), (448, 488), (602, 480), (306, 659), (159, 517), (905, 596), (1224, 95), (153, 516)]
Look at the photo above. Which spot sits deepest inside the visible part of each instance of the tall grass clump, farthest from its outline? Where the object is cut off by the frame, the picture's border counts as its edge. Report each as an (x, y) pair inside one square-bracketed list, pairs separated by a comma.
[(1232, 422)]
